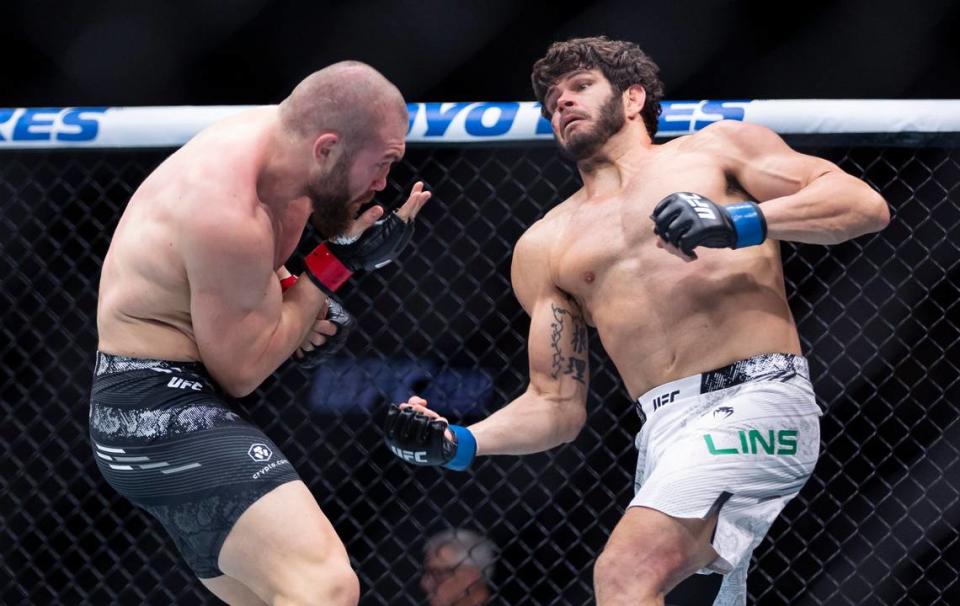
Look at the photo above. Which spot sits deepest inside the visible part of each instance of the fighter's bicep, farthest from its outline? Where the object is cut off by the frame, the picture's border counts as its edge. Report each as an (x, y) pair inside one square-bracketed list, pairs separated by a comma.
[(558, 349), (557, 342)]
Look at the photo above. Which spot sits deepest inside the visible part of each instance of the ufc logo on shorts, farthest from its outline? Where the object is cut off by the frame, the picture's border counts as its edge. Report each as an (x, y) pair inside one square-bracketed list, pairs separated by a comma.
[(665, 399), (178, 383), (417, 456), (702, 209)]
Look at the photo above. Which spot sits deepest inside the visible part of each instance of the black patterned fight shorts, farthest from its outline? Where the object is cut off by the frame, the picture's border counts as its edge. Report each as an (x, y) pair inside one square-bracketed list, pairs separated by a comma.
[(164, 438)]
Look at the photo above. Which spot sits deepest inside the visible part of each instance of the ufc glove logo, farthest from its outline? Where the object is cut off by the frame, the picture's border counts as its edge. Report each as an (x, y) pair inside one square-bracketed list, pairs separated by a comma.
[(699, 206), (418, 457)]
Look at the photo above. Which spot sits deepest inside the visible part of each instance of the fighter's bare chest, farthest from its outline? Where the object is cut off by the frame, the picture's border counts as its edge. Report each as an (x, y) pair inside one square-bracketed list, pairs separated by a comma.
[(604, 235)]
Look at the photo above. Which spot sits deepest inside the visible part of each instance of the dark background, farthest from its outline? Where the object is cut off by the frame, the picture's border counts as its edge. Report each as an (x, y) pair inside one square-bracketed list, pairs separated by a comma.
[(879, 317), (254, 51)]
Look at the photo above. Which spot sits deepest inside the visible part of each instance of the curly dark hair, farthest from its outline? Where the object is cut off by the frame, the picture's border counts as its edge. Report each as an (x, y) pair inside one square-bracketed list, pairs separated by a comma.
[(621, 62)]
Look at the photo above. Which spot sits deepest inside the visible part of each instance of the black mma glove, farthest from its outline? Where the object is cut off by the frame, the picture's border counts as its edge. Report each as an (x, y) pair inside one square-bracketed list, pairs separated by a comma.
[(329, 265), (345, 325), (377, 246), (421, 440), (687, 220), (336, 314)]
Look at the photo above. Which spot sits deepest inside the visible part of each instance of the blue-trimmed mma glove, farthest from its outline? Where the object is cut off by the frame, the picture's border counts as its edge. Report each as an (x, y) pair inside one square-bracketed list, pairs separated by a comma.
[(421, 440), (687, 220)]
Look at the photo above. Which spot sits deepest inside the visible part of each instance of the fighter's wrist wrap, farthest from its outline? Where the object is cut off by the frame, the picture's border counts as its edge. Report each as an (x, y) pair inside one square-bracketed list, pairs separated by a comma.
[(749, 223), (325, 270), (466, 448)]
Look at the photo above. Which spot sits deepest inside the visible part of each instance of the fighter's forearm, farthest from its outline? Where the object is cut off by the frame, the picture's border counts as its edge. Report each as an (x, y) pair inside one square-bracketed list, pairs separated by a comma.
[(833, 208), (531, 423)]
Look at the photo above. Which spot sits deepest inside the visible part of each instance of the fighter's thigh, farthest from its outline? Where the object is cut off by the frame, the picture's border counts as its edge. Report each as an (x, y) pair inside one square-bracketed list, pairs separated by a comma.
[(281, 540), (232, 591), (647, 542)]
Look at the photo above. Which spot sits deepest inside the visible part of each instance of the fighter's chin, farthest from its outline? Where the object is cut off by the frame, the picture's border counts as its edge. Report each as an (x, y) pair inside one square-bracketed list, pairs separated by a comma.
[(581, 151)]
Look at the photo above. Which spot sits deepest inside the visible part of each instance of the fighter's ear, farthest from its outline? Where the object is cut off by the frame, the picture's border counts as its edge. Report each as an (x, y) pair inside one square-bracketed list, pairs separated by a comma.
[(323, 146), (634, 98)]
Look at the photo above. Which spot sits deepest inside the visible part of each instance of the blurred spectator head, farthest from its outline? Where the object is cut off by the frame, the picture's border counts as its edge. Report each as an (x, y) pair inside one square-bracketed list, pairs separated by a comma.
[(458, 568)]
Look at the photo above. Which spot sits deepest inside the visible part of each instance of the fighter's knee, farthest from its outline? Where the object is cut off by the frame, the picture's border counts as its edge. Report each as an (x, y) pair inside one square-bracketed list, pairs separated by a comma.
[(333, 584), (632, 572)]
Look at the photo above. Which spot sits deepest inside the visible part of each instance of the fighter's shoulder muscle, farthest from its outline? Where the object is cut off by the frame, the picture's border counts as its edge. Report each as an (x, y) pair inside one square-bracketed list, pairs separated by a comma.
[(538, 239), (735, 138), (223, 226), (760, 160), (216, 181), (531, 271), (229, 260)]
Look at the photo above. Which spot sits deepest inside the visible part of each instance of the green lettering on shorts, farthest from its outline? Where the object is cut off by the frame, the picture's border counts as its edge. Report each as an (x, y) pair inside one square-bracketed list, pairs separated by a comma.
[(757, 437), (788, 441), (717, 451), (754, 441)]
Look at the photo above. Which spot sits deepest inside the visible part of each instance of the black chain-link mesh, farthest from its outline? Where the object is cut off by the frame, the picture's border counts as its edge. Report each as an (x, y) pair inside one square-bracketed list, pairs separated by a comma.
[(879, 317)]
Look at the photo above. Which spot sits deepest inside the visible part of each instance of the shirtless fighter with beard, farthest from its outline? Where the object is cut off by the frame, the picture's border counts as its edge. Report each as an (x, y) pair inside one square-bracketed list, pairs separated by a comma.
[(672, 252), (195, 301)]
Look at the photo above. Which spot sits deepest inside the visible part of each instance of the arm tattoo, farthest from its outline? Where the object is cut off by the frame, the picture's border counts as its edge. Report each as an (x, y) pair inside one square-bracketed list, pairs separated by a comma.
[(556, 330), (576, 366)]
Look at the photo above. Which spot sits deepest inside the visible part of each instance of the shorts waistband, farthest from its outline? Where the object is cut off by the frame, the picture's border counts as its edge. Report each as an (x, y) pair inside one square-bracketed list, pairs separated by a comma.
[(764, 367), (108, 364)]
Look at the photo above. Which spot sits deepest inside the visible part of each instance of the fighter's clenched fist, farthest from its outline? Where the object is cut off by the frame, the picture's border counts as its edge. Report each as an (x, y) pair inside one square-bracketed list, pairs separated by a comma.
[(422, 437), (688, 220)]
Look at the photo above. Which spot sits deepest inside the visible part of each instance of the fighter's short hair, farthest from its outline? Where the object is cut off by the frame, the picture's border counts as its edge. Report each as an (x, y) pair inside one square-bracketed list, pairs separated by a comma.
[(349, 97), (622, 63)]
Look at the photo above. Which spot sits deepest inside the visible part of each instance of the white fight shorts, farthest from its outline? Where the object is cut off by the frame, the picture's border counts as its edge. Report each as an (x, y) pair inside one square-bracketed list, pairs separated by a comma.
[(743, 440)]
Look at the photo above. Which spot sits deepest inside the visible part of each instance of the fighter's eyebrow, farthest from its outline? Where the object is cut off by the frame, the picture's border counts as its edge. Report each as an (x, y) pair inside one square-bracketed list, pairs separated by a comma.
[(576, 73), (550, 97)]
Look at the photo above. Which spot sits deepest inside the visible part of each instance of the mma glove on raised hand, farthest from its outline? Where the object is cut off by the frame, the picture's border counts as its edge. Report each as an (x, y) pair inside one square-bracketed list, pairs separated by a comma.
[(687, 220), (329, 265), (422, 440)]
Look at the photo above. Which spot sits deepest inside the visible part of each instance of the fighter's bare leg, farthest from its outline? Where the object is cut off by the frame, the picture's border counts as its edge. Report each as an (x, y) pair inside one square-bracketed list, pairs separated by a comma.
[(286, 551), (232, 591), (648, 554)]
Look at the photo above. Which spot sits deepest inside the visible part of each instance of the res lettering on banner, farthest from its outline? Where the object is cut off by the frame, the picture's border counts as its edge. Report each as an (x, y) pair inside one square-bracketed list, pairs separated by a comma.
[(69, 124)]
